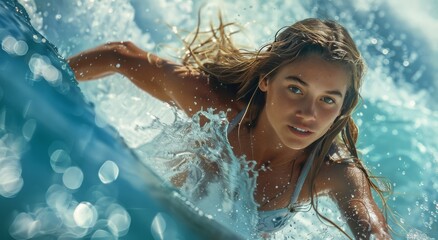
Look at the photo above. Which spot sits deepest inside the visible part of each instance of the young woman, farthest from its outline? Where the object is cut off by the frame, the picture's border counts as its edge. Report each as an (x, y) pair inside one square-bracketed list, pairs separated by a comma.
[(290, 102)]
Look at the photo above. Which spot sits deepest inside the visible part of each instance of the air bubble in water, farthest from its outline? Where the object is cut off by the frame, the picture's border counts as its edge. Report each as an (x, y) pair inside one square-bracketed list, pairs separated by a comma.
[(8, 44), (119, 221), (11, 181), (158, 227), (58, 198), (51, 73), (41, 66), (48, 220), (23, 227), (12, 46), (73, 177), (85, 215), (60, 160), (108, 172), (28, 129), (102, 235), (164, 227), (20, 48)]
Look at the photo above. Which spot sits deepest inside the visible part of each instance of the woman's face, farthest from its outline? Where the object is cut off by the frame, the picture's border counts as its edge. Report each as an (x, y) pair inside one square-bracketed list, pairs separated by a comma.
[(303, 99)]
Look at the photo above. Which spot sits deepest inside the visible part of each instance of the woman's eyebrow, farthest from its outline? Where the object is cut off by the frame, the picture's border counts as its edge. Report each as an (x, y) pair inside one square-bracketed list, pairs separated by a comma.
[(335, 92), (296, 79), (300, 81)]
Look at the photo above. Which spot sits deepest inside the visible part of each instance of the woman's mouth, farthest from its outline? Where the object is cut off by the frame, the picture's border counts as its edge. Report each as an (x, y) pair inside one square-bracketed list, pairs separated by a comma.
[(300, 131)]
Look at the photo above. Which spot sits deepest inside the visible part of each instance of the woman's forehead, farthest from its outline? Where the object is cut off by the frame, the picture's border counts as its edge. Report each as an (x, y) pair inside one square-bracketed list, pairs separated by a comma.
[(313, 69)]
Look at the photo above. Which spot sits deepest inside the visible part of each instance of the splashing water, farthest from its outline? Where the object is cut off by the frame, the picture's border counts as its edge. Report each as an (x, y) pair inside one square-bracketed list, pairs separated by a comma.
[(200, 160), (57, 181), (397, 119)]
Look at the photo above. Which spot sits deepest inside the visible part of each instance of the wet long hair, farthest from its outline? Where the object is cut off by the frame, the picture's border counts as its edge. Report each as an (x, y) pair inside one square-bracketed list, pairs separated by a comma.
[(213, 52)]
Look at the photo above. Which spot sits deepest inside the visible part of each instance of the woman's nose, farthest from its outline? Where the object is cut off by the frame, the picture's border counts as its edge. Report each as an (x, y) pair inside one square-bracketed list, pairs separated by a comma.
[(307, 110)]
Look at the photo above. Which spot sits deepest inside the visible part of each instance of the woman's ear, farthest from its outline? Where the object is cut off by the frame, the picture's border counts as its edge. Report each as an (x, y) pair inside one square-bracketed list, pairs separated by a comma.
[(263, 83)]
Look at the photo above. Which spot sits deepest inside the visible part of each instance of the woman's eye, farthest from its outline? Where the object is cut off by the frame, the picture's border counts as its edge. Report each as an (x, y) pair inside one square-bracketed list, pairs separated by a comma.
[(295, 90), (328, 100)]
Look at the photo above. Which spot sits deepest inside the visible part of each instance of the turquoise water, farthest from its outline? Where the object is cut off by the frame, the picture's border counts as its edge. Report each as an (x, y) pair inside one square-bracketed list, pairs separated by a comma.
[(397, 118), (65, 174)]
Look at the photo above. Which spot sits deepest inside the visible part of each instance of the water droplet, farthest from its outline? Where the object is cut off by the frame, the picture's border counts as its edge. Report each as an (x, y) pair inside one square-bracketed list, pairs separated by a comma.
[(85, 215), (119, 221), (28, 129), (158, 227), (118, 65), (8, 44), (174, 29), (60, 160), (108, 172), (20, 48), (58, 16), (164, 227), (58, 198), (23, 227), (73, 177), (102, 235), (11, 181), (41, 66), (48, 220)]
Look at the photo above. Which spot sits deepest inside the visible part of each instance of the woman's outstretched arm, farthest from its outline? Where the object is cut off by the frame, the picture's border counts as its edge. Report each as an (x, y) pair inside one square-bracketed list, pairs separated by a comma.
[(163, 79), (95, 63), (352, 193), (148, 71)]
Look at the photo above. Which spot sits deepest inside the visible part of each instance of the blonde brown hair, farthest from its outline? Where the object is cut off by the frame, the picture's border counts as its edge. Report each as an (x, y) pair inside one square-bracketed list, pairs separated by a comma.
[(217, 56)]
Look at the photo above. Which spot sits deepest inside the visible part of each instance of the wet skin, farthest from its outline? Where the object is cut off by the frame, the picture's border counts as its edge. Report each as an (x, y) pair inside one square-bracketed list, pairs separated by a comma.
[(302, 100)]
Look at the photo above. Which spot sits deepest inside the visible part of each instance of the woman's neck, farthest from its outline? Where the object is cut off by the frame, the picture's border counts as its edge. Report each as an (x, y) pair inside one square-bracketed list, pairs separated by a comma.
[(266, 148)]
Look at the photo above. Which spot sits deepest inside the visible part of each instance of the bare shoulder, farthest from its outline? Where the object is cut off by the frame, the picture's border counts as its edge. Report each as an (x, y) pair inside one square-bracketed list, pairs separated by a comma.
[(340, 176), (193, 90), (349, 186)]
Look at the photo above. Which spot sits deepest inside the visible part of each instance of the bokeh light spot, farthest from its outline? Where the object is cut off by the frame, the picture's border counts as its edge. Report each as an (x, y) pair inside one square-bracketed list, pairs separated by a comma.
[(85, 215), (108, 172), (73, 177)]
